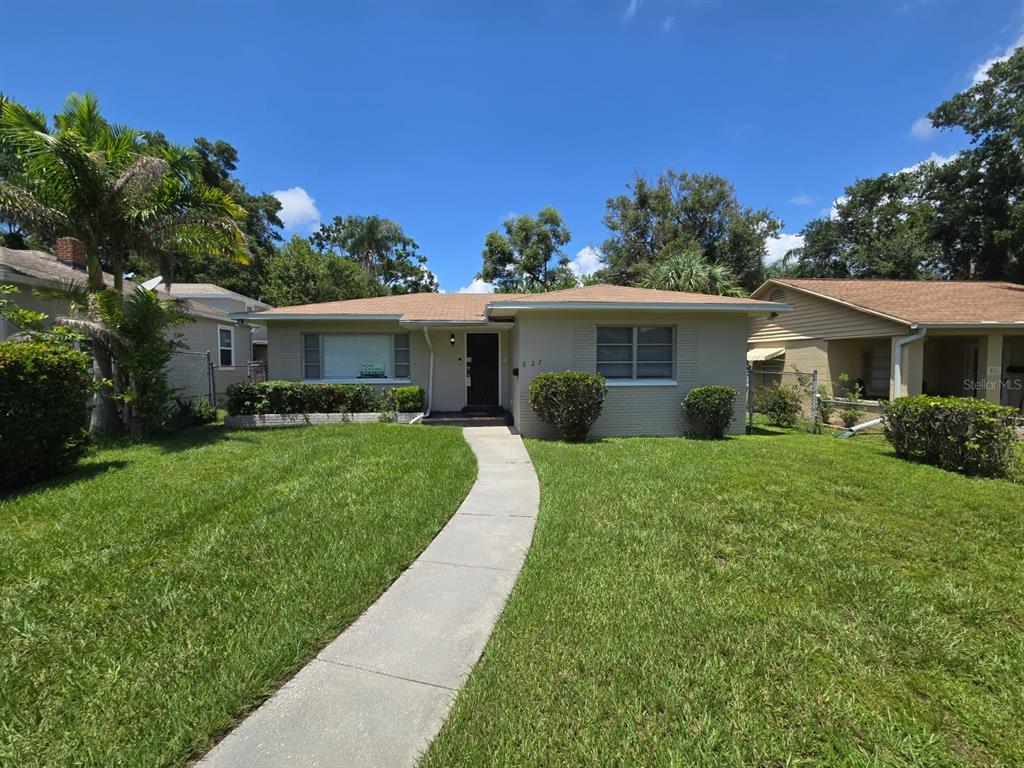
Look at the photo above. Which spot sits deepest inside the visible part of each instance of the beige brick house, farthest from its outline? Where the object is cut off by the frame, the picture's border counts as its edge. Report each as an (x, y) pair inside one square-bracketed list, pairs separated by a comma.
[(480, 352)]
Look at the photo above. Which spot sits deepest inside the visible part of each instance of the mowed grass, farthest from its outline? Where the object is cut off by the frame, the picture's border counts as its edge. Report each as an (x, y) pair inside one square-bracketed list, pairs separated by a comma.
[(770, 600), (162, 590)]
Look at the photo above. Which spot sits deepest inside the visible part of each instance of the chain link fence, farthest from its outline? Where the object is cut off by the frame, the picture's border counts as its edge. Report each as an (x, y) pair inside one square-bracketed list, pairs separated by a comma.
[(194, 376), (806, 401)]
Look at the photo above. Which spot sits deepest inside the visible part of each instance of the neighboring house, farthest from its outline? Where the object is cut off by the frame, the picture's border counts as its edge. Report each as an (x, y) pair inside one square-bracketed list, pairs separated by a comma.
[(212, 329), (479, 352), (897, 337), (228, 301)]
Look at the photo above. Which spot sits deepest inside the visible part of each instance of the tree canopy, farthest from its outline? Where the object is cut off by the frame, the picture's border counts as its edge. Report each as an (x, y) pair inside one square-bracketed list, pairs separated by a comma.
[(386, 254), (683, 212), (106, 186), (528, 257), (690, 272), (961, 218), (296, 273)]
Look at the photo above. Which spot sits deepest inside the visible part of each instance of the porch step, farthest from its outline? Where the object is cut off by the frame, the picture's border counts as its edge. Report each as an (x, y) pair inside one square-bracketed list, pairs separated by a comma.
[(458, 419)]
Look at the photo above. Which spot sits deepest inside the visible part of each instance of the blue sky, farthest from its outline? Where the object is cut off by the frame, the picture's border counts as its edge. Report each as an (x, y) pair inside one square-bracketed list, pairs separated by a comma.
[(447, 117)]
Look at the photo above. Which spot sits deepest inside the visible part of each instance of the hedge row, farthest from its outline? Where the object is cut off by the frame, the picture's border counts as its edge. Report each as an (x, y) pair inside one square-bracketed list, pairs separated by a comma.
[(966, 435), (248, 398), (44, 415)]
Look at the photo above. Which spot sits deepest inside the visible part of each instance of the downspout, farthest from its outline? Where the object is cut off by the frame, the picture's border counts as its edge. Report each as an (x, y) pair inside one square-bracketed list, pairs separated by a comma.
[(430, 377), (897, 378)]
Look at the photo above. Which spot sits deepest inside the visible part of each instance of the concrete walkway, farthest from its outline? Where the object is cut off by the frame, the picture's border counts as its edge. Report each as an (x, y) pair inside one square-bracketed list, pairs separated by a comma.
[(380, 692)]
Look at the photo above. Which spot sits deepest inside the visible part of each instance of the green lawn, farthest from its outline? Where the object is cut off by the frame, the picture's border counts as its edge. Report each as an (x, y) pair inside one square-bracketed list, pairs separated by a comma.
[(164, 589), (770, 600)]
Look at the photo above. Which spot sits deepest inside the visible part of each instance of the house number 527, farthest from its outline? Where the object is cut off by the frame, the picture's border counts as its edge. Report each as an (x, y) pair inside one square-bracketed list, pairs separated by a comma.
[(533, 364)]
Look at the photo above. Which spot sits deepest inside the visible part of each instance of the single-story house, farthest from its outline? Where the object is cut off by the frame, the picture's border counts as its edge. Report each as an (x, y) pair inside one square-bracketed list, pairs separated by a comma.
[(896, 337), (212, 331), (479, 352), (213, 295)]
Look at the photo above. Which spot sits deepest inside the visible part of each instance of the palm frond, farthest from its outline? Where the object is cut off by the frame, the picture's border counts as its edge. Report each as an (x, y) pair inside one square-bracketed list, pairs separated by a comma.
[(141, 177), (76, 295), (20, 207), (95, 330)]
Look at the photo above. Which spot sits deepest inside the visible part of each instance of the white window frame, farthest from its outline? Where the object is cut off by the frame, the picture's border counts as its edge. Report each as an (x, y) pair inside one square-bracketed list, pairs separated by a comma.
[(230, 329), (354, 380), (634, 380)]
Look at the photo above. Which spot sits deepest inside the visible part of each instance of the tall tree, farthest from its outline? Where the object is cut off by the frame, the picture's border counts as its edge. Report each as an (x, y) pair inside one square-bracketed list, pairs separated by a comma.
[(298, 274), (261, 225), (959, 219), (978, 196), (881, 229), (379, 245), (100, 183), (529, 256), (680, 212)]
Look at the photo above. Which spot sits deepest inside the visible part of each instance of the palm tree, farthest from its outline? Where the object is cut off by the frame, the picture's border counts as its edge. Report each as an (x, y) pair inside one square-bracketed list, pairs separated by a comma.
[(690, 272), (132, 328), (106, 186)]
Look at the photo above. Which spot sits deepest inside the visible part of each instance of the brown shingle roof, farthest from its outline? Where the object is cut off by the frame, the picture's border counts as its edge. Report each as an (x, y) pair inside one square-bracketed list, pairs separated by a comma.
[(44, 266), (472, 307), (923, 301)]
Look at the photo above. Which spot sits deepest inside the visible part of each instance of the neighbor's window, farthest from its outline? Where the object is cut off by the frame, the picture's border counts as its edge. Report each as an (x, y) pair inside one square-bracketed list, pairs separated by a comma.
[(311, 355), (342, 356), (226, 345), (643, 352)]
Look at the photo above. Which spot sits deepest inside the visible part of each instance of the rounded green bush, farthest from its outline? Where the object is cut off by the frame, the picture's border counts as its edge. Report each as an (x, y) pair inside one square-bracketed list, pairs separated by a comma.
[(568, 400), (44, 396), (779, 404), (710, 411)]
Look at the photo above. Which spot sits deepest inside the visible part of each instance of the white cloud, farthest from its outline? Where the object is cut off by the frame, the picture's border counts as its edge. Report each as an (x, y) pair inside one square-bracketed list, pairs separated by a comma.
[(298, 209), (587, 261), (934, 157), (922, 129), (778, 246), (631, 10), (668, 23), (801, 199), (981, 72), (477, 286)]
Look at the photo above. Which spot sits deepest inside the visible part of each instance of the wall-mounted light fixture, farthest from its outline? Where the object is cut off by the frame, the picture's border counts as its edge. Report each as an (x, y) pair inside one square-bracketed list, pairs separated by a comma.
[(451, 339)]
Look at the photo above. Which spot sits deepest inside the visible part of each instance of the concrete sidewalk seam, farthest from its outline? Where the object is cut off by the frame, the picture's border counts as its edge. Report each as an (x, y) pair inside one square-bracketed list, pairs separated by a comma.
[(384, 674)]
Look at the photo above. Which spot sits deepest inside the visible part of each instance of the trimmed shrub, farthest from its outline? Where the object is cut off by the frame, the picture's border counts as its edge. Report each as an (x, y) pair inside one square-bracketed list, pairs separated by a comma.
[(850, 416), (183, 414), (568, 400), (966, 435), (44, 395), (779, 404), (710, 410), (247, 398), (403, 400)]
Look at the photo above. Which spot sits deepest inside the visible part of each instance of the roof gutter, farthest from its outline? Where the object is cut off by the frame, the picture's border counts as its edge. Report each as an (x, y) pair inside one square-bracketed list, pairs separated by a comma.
[(897, 363)]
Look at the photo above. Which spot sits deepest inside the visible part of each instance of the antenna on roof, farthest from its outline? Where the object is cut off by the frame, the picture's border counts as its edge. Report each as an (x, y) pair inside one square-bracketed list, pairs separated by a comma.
[(153, 282)]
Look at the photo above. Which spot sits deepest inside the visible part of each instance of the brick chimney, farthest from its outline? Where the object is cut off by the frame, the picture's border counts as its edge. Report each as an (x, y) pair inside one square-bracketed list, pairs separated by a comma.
[(71, 251)]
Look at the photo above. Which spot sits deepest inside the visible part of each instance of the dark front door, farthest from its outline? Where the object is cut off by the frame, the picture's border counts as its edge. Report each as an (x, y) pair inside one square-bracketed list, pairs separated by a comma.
[(482, 369)]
